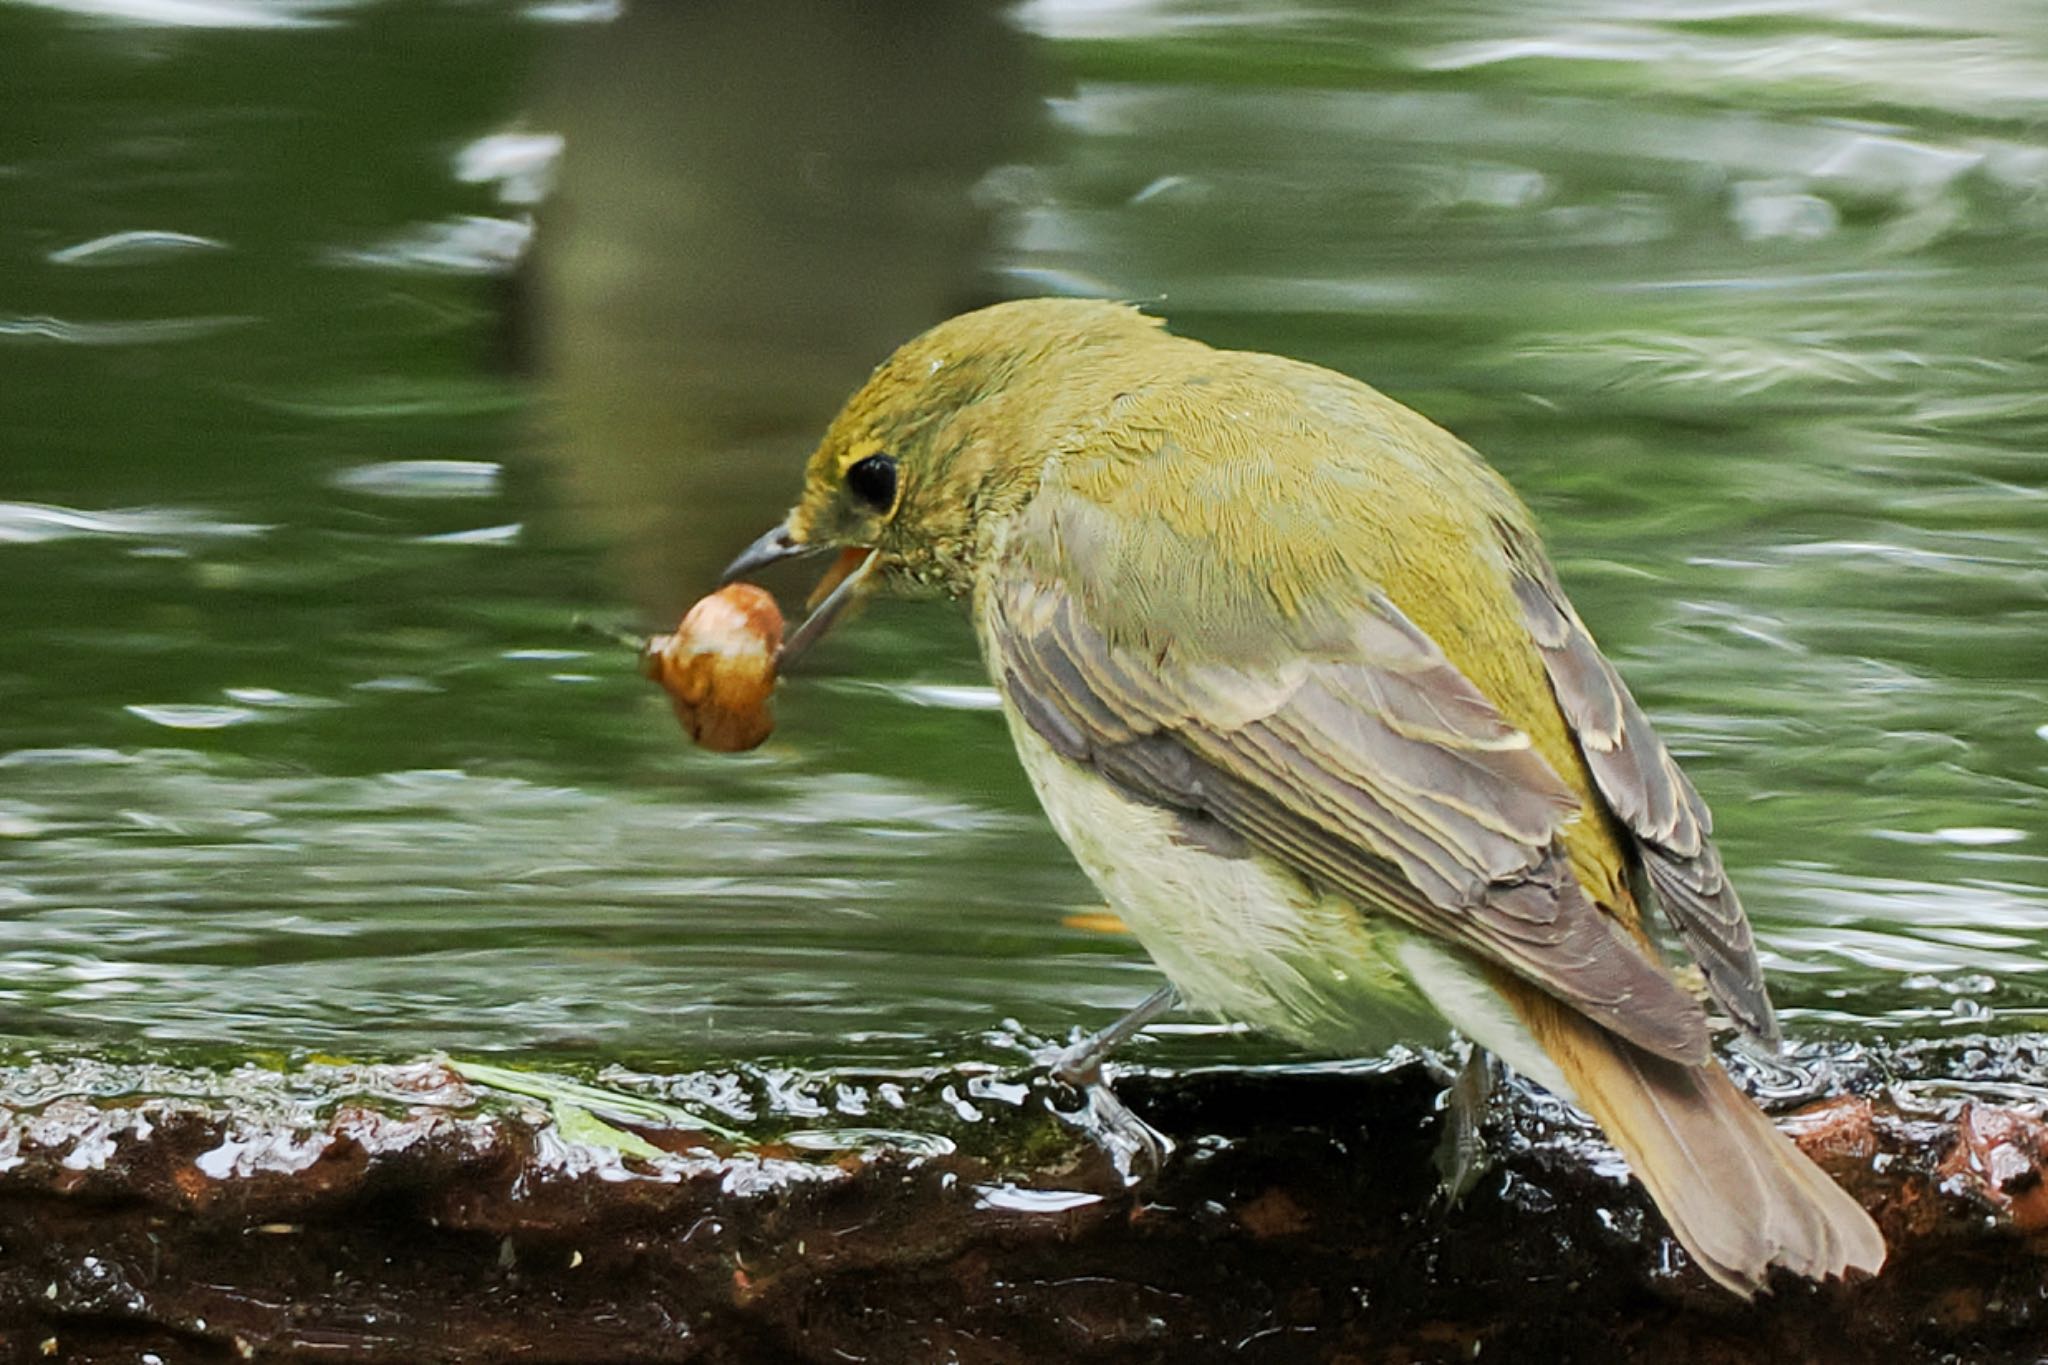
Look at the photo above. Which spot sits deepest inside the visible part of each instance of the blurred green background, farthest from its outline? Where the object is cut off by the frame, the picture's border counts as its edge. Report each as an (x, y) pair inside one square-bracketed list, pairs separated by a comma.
[(348, 351)]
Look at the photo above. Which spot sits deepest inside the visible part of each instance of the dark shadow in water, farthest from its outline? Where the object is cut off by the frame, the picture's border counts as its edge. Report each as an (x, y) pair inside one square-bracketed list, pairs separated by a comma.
[(758, 202)]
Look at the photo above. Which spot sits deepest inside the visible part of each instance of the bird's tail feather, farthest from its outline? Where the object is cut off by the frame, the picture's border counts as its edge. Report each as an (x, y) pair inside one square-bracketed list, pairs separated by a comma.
[(1738, 1194)]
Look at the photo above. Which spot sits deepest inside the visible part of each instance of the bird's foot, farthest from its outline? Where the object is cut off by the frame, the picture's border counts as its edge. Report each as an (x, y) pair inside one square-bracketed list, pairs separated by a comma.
[(1133, 1146), (1460, 1155)]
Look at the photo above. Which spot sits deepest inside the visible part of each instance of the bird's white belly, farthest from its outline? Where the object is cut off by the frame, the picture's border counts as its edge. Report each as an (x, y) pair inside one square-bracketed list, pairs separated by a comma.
[(1240, 937)]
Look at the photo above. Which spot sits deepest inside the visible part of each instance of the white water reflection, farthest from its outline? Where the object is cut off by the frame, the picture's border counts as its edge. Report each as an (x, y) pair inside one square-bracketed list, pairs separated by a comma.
[(134, 247), (28, 523), (473, 244), (423, 479), (193, 715), (1918, 53), (253, 14), (134, 332)]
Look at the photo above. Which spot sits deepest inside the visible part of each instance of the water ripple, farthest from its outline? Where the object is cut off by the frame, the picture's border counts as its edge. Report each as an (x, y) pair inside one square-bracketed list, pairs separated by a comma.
[(423, 479), (251, 14), (31, 523), (133, 247), (138, 332)]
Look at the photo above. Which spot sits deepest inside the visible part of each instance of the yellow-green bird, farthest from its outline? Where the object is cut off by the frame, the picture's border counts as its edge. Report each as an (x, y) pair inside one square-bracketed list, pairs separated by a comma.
[(1296, 683)]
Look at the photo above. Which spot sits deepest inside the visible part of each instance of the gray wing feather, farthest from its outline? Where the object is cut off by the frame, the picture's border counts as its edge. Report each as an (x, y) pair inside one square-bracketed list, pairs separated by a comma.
[(1383, 775), (1644, 787)]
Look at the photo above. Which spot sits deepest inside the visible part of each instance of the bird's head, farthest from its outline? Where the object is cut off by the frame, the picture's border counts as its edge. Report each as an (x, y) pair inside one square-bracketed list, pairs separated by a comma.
[(949, 435)]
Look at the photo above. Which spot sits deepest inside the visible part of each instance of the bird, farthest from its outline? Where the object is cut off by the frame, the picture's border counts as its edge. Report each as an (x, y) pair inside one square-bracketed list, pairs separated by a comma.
[(1295, 681)]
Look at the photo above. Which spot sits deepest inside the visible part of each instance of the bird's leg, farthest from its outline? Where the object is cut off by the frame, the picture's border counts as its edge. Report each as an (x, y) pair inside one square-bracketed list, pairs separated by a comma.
[(1079, 1064), (1131, 1144), (1461, 1151)]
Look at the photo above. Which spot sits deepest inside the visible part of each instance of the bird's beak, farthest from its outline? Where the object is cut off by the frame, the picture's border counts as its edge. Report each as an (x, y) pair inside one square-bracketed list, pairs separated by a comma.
[(838, 588), (844, 581), (771, 548)]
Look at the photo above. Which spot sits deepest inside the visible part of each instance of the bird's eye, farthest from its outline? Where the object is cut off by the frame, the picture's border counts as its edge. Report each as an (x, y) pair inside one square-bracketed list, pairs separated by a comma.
[(873, 481)]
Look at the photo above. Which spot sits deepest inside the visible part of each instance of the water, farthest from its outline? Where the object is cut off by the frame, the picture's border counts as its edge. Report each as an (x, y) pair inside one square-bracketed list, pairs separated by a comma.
[(323, 418)]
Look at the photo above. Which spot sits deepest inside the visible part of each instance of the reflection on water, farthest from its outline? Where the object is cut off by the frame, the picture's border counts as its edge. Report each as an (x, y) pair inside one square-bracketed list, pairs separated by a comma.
[(297, 749), (160, 894), (757, 202)]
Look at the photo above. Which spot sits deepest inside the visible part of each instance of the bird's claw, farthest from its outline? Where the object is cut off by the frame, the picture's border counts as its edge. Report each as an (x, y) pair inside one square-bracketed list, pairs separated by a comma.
[(1134, 1147), (1461, 1155)]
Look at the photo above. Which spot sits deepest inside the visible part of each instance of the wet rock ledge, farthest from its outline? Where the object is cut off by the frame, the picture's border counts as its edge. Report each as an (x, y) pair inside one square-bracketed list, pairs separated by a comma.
[(410, 1213)]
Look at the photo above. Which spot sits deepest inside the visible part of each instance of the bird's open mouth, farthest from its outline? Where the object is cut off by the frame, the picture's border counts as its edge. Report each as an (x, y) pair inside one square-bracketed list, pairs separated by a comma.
[(834, 593)]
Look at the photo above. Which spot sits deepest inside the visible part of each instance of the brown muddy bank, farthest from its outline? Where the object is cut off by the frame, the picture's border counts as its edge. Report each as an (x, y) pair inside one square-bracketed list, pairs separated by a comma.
[(404, 1214)]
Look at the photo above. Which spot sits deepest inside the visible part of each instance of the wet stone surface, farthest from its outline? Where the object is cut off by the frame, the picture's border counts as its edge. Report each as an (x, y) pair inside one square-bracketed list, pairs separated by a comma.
[(410, 1212)]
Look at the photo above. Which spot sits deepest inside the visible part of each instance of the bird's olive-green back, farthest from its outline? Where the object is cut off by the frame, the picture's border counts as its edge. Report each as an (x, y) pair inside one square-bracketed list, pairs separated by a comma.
[(1249, 503)]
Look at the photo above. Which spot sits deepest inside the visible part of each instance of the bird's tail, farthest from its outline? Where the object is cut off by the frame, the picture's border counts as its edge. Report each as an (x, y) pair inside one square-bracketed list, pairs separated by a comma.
[(1738, 1194)]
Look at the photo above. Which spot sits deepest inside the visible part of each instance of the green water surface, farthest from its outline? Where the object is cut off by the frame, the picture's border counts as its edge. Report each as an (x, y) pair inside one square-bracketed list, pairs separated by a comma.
[(349, 351)]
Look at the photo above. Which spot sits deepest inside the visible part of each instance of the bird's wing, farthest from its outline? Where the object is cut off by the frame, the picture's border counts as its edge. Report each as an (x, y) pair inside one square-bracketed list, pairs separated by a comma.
[(1651, 797), (1376, 770)]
